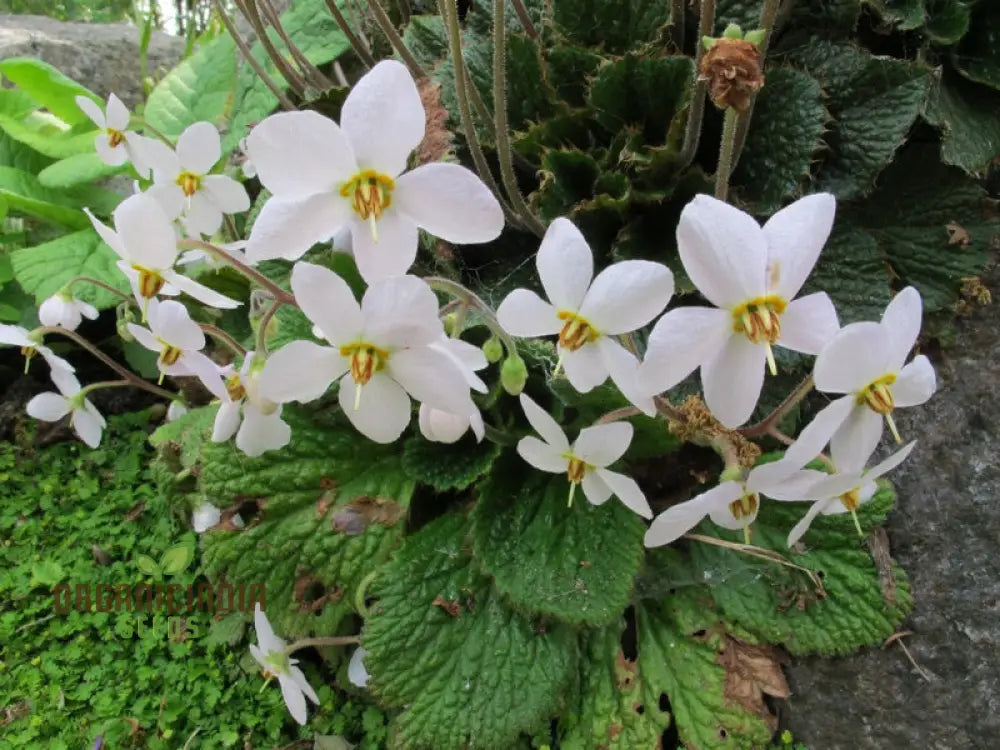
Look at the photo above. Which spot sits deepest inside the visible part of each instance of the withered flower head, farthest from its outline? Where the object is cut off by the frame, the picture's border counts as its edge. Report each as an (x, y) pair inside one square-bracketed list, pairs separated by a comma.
[(733, 69)]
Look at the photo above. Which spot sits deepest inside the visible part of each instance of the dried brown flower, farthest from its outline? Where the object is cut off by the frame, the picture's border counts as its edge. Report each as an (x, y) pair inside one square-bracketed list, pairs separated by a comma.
[(733, 69)]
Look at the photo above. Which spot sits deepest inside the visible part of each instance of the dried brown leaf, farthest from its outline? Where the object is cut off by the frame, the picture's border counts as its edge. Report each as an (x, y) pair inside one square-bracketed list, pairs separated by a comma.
[(751, 673)]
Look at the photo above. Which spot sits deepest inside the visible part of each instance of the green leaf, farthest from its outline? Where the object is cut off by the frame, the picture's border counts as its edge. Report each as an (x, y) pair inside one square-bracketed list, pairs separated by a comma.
[(782, 605), (873, 101), (904, 14), (976, 56), (45, 133), (785, 133), (176, 559), (48, 87), (17, 155), (617, 708), (76, 170), (852, 270), (452, 466), (947, 20), (830, 17), (969, 118), (577, 564), (24, 194), (680, 642), (47, 573), (616, 26), (147, 565), (427, 40), (442, 643), (744, 13), (43, 269)]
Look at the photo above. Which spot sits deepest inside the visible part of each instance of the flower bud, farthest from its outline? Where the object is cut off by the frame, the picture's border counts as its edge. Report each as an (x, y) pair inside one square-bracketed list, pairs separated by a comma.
[(124, 316), (734, 72), (513, 374), (493, 349)]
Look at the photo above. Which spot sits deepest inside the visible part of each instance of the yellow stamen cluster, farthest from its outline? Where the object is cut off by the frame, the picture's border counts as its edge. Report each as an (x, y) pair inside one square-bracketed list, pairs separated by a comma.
[(851, 500), (366, 359), (370, 193), (575, 471), (169, 354), (576, 331), (189, 182), (760, 320), (744, 507), (150, 282), (115, 137), (235, 389), (878, 396)]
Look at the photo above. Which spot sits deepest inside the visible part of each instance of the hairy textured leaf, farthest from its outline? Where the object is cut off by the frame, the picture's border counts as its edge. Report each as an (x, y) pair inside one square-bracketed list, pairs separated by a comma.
[(43, 269), (852, 270), (452, 466), (48, 87), (969, 118), (618, 27), (904, 14), (976, 56), (744, 13), (947, 20), (443, 645), (577, 563), (785, 133)]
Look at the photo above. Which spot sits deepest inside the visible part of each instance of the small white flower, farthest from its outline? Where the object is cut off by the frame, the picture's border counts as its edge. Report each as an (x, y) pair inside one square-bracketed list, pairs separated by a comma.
[(356, 671), (261, 428), (116, 144), (587, 312), (183, 186), (867, 361), (86, 421), (270, 655), (145, 241), (179, 341), (381, 347), (584, 461), (751, 274), (325, 176), (62, 309), (30, 343), (444, 427), (205, 516)]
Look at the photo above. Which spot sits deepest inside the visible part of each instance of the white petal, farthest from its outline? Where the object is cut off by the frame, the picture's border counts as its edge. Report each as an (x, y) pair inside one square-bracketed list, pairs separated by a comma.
[(541, 455), (623, 366), (298, 154), (450, 202), (679, 519), (171, 322), (300, 371), (201, 216), (294, 699), (383, 118), (92, 109), (266, 638), (384, 410), (201, 367), (798, 487), (585, 368), (226, 194), (890, 463), (287, 227), (602, 444), (14, 336), (432, 378), (144, 336), (732, 380), (799, 529), (110, 237), (724, 517), (392, 254), (199, 147), (86, 309), (543, 423), (304, 686), (565, 265), (627, 490), (856, 356), (627, 295), (117, 113), (48, 406), (809, 323), (470, 358), (260, 432), (401, 311), (439, 426), (206, 516), (853, 444), (818, 432), (138, 148), (595, 489), (146, 232), (66, 382), (681, 341), (795, 236), (901, 320), (113, 156), (88, 424), (478, 426), (53, 361), (170, 196), (723, 250), (227, 421), (163, 161), (356, 671), (523, 313), (767, 476), (327, 300), (915, 384), (53, 312)]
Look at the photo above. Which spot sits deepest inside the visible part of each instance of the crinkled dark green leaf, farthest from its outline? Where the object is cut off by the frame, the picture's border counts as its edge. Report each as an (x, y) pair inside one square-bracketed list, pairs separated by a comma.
[(969, 118), (744, 13), (903, 14), (617, 26), (852, 270), (567, 178), (577, 564), (452, 466), (947, 20), (427, 40), (976, 55), (467, 670)]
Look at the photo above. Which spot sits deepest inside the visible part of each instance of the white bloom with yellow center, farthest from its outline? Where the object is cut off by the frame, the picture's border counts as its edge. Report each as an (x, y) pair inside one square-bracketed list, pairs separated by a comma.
[(63, 309), (86, 421), (116, 144), (585, 461), (31, 343), (324, 176), (752, 275), (255, 420), (270, 654)]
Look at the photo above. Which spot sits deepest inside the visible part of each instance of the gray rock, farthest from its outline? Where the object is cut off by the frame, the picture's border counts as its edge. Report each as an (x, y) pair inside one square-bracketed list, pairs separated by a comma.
[(103, 57), (946, 533)]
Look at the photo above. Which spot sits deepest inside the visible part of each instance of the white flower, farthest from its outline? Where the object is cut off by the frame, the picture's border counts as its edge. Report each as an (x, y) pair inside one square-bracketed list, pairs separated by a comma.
[(732, 504), (584, 462), (587, 312), (444, 427), (117, 145), (62, 309), (179, 341), (270, 654), (867, 362), (324, 177), (751, 274), (30, 343), (356, 671), (261, 427), (184, 187), (382, 347), (841, 492), (84, 418), (147, 245), (205, 516)]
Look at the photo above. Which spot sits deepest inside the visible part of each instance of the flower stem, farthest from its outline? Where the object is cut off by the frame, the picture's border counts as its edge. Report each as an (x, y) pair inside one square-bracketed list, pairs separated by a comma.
[(251, 273), (764, 426), (337, 640), (106, 384), (97, 282), (726, 154), (767, 21), (311, 73), (692, 130), (249, 10), (677, 23), (472, 300), (617, 414), (265, 321), (385, 23), (501, 125), (666, 409), (215, 332), (525, 19), (357, 44)]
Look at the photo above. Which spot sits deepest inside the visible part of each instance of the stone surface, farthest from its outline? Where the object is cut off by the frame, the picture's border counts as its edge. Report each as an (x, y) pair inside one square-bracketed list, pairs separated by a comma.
[(103, 57), (946, 533)]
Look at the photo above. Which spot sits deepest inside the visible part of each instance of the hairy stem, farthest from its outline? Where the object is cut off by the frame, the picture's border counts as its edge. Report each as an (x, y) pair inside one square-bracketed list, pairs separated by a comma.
[(692, 130), (357, 44), (251, 273), (265, 321), (336, 640), (666, 409), (471, 299), (97, 282), (525, 19), (617, 414), (385, 23), (217, 333), (764, 426), (310, 71), (767, 21), (249, 9), (500, 113), (723, 168)]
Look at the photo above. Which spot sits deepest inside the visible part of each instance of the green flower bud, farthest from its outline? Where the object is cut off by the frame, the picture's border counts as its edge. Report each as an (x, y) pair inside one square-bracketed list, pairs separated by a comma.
[(493, 349), (756, 36), (449, 322), (733, 31), (708, 42), (513, 374), (124, 316)]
